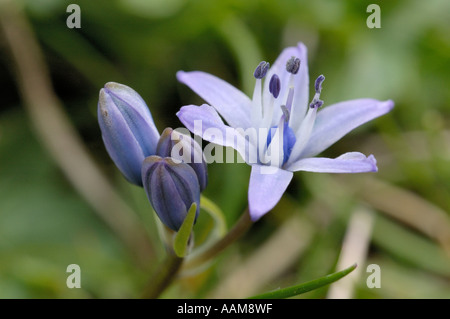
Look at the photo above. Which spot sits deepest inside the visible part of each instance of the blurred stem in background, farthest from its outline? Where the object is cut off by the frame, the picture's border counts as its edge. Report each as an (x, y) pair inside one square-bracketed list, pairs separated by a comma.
[(163, 277), (239, 229), (61, 139)]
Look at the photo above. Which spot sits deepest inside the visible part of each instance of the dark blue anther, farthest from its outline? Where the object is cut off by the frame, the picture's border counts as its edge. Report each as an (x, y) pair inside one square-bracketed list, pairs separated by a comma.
[(261, 70), (275, 85)]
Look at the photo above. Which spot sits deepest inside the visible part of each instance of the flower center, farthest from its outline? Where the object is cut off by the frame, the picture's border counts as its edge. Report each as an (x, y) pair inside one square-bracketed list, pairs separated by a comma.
[(263, 112), (288, 141)]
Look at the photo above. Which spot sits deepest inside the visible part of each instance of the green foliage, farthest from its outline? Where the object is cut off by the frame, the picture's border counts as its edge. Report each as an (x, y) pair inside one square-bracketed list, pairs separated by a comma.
[(305, 287), (181, 241)]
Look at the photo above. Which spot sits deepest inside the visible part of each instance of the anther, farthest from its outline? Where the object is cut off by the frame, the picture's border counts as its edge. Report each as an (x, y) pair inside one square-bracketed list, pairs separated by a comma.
[(275, 85), (318, 84), (261, 70), (316, 103), (293, 65)]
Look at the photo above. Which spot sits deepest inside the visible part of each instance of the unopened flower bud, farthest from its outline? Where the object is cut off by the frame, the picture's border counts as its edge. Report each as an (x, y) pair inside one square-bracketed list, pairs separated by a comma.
[(171, 189), (182, 147), (127, 127)]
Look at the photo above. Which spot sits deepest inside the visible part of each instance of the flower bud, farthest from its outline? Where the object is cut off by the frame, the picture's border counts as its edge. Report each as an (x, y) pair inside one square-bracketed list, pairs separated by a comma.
[(171, 189), (127, 127), (181, 147)]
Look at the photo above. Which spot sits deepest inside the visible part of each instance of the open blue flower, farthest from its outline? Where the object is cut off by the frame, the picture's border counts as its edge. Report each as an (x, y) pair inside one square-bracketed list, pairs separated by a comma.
[(278, 131)]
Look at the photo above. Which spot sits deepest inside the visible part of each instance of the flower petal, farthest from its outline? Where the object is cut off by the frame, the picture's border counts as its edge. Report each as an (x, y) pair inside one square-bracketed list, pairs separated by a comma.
[(205, 122), (233, 105), (352, 162), (301, 84), (335, 121), (267, 186)]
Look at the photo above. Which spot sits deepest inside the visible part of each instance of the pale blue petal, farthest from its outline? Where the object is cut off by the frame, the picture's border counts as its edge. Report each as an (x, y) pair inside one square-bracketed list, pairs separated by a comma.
[(352, 162), (267, 186), (232, 104), (205, 122), (301, 89), (335, 121)]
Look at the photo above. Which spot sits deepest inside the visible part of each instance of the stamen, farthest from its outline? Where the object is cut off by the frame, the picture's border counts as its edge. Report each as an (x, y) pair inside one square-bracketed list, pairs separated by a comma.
[(274, 89), (275, 85), (318, 83), (290, 98), (261, 70), (303, 134), (293, 65), (286, 113), (257, 107), (317, 102)]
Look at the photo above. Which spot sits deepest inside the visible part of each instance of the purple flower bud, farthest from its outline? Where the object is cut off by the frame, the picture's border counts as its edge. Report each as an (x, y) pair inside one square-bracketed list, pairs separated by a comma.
[(171, 189), (181, 147), (261, 70), (127, 127)]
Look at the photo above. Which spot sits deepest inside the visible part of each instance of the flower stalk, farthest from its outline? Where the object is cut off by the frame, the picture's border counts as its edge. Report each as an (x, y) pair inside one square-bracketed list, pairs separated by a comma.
[(236, 232), (163, 276)]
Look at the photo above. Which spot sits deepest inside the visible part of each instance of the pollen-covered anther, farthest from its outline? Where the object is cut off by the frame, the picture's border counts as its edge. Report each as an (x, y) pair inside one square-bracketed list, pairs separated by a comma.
[(318, 84), (261, 70), (293, 65), (317, 102)]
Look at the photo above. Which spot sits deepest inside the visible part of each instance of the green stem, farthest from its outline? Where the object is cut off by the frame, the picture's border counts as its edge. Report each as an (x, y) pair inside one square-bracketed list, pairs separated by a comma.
[(241, 226), (163, 276), (167, 271)]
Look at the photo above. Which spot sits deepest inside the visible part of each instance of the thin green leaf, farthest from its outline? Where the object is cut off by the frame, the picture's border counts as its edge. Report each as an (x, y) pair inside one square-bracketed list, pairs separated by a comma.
[(181, 240), (305, 287)]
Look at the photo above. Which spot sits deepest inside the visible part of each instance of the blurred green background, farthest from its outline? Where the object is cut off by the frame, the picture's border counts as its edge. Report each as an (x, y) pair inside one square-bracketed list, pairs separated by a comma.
[(402, 212)]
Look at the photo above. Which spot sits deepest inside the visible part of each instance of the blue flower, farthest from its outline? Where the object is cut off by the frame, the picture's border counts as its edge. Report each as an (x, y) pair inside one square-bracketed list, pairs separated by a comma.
[(278, 131), (127, 127)]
